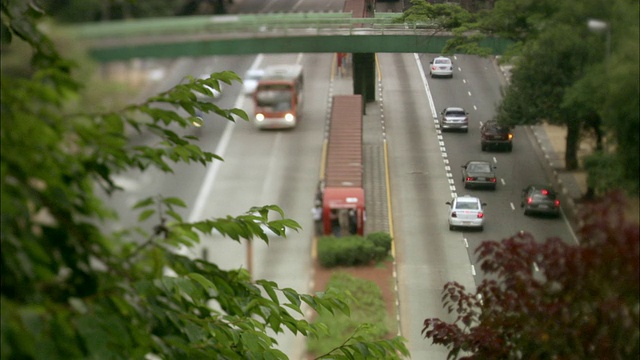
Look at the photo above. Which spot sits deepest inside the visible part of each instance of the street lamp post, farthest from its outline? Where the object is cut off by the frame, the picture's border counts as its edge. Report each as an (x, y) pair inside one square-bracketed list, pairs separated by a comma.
[(601, 26)]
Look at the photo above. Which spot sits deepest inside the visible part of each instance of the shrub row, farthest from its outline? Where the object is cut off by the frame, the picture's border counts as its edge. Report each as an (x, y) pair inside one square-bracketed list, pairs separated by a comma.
[(353, 250)]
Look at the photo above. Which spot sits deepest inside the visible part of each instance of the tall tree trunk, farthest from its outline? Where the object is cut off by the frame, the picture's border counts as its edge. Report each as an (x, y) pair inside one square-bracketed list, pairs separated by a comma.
[(598, 131), (593, 123), (573, 141)]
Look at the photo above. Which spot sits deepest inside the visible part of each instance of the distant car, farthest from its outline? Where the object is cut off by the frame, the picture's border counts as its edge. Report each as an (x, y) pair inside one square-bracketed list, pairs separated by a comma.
[(250, 80), (494, 135), (454, 118), (478, 173), (466, 211), (441, 66), (540, 199)]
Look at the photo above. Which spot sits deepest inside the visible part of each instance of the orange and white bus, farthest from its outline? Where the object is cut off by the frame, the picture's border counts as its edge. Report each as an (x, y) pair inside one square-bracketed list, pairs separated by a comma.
[(278, 97)]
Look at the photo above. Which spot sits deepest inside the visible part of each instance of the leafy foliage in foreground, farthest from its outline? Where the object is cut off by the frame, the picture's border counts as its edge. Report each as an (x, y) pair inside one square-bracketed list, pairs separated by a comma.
[(70, 290), (367, 306), (552, 299)]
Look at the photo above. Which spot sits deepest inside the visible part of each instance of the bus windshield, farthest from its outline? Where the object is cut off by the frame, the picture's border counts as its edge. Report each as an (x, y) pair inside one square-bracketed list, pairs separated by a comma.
[(276, 100)]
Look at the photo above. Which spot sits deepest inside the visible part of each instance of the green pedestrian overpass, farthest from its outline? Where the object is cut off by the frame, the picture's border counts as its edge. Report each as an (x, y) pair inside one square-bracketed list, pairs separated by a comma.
[(264, 33)]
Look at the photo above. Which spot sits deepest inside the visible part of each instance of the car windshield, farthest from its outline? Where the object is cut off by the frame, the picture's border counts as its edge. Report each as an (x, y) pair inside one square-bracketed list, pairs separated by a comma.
[(460, 205), (455, 113), (442, 61), (479, 168)]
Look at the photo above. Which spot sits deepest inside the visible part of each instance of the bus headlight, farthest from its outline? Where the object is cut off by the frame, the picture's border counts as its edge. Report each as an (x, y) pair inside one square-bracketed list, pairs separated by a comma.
[(289, 117), (259, 117)]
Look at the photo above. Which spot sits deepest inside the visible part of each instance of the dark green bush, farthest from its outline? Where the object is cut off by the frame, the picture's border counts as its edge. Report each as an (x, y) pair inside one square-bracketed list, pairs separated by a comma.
[(381, 239), (353, 250)]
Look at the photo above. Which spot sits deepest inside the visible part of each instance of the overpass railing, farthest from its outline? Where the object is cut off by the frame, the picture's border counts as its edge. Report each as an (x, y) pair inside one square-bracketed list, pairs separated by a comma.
[(285, 24)]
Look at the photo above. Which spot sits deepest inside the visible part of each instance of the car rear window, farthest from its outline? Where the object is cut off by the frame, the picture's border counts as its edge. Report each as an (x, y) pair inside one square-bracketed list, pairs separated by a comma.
[(442, 61), (455, 113), (497, 128), (479, 168), (544, 194), (466, 205)]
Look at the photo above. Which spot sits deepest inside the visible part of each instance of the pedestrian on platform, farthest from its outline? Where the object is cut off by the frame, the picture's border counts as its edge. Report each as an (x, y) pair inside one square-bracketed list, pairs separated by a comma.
[(317, 218)]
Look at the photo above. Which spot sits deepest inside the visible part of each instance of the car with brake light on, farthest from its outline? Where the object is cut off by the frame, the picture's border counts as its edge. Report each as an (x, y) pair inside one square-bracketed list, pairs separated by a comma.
[(479, 174), (540, 199), (495, 135), (454, 118), (466, 212), (441, 66)]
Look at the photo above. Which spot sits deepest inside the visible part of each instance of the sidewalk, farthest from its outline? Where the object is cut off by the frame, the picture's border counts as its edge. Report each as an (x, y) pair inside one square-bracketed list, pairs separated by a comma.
[(572, 185)]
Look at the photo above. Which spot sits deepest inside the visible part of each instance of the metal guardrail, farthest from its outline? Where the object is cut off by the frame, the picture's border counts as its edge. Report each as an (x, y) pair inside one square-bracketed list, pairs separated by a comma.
[(250, 34)]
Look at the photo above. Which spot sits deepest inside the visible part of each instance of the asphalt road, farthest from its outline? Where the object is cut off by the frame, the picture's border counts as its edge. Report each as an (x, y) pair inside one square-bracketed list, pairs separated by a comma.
[(425, 172)]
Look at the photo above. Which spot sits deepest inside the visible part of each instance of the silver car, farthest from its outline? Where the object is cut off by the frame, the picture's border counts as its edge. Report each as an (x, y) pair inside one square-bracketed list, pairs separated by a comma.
[(466, 211), (454, 118), (441, 66)]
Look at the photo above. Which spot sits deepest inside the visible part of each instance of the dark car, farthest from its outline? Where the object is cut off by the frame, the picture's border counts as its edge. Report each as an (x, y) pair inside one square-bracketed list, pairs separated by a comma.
[(478, 173), (540, 199), (454, 118), (496, 136)]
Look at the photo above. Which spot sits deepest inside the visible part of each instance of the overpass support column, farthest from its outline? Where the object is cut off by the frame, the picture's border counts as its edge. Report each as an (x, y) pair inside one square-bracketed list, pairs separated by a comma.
[(364, 76)]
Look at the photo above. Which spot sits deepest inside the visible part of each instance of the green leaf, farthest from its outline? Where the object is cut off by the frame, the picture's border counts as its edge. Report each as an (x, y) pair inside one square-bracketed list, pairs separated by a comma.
[(174, 215), (174, 201), (292, 296), (146, 214), (202, 281), (268, 288), (144, 202)]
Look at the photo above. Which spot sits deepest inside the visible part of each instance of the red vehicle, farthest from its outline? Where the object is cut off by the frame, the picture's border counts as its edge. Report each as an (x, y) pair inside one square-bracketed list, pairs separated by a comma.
[(343, 211), (278, 97)]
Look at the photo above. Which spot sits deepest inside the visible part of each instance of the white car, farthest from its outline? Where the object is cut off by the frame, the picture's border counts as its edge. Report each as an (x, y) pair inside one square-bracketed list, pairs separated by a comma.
[(466, 211), (250, 81), (441, 66)]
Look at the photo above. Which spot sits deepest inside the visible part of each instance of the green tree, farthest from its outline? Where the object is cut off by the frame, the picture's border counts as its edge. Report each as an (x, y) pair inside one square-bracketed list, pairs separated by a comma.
[(70, 290), (546, 70), (551, 300), (441, 16)]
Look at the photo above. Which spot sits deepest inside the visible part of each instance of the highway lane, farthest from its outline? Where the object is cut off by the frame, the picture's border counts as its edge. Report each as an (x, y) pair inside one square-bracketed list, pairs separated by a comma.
[(428, 255), (425, 172), (185, 181), (259, 168), (476, 87), (274, 167)]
